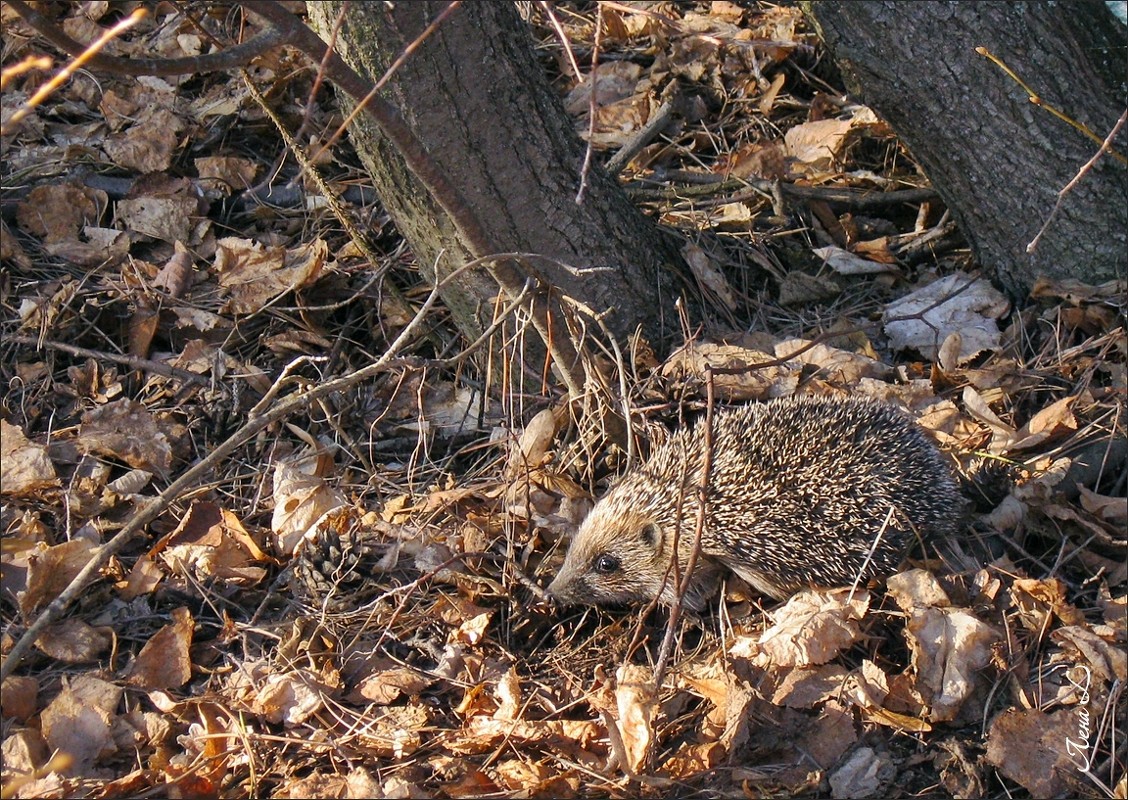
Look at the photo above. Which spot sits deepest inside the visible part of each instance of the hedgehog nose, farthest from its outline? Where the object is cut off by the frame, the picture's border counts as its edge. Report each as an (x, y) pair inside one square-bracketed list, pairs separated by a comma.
[(559, 592)]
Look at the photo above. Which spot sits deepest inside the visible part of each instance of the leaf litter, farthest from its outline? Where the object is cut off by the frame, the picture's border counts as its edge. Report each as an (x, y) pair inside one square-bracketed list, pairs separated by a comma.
[(350, 606)]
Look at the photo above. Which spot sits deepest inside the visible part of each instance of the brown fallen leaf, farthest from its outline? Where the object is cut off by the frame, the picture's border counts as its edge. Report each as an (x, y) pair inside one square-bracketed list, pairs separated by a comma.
[(950, 648), (57, 212), (812, 628), (636, 704), (302, 499), (1034, 749), (126, 431), (19, 696), (50, 570), (253, 274), (165, 662), (27, 467), (212, 543), (391, 684), (79, 721), (73, 641)]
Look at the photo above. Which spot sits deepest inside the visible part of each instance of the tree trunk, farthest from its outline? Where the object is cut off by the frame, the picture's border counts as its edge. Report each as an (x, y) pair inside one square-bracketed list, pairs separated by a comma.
[(996, 159), (476, 98)]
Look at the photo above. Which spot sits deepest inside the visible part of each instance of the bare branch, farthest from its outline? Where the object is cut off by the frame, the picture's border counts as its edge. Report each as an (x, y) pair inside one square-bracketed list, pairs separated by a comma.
[(228, 58)]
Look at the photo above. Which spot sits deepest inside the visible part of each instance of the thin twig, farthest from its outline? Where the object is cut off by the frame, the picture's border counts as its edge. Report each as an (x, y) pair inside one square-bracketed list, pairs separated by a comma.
[(646, 133), (80, 60), (1106, 147), (132, 362), (698, 533), (234, 56)]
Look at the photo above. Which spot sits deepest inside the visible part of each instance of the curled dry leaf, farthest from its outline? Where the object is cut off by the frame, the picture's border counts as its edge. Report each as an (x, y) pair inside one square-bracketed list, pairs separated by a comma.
[(708, 273), (1036, 600), (956, 303), (164, 662), (147, 145), (302, 499), (27, 467), (693, 360), (254, 274), (575, 738), (1105, 660), (819, 145), (806, 687), (635, 702), (834, 364), (289, 698), (812, 628), (950, 647), (79, 721), (388, 685), (126, 431), (529, 452), (168, 217), (846, 263), (866, 773), (212, 543)]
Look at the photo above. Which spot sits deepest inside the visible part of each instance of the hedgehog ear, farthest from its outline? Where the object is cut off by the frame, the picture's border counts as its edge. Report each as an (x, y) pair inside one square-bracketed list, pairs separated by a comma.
[(650, 535)]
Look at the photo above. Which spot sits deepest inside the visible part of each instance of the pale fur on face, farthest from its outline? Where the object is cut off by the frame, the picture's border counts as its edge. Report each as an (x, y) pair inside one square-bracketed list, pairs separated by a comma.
[(623, 552)]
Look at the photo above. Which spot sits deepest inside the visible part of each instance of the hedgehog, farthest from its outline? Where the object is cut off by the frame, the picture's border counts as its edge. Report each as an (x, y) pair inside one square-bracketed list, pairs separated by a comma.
[(803, 492)]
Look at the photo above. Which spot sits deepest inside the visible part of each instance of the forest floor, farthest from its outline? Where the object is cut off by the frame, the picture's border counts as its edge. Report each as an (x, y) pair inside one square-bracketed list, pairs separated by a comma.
[(347, 603)]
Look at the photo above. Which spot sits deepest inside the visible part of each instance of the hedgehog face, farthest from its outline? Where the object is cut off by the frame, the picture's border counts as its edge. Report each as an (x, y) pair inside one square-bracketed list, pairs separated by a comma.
[(620, 555), (611, 560)]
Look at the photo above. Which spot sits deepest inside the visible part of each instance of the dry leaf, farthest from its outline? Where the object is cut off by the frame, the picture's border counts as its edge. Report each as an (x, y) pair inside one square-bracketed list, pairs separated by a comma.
[(806, 687), (147, 145), (708, 273), (1036, 749), (211, 542), (840, 366), (253, 274), (27, 467), (692, 360), (79, 721), (303, 501), (812, 628), (388, 685), (50, 570), (126, 431), (846, 263), (289, 698), (950, 648), (635, 702), (57, 212), (19, 697), (75, 642), (866, 773), (164, 662), (226, 174), (1037, 599), (956, 303), (820, 144)]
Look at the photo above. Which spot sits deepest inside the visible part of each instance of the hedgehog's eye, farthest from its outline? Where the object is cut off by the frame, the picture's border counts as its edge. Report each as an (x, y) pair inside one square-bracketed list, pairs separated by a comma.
[(605, 564)]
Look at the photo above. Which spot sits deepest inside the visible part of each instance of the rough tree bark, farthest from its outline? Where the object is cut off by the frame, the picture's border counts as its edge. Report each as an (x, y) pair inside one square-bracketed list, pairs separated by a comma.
[(996, 159), (476, 98)]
